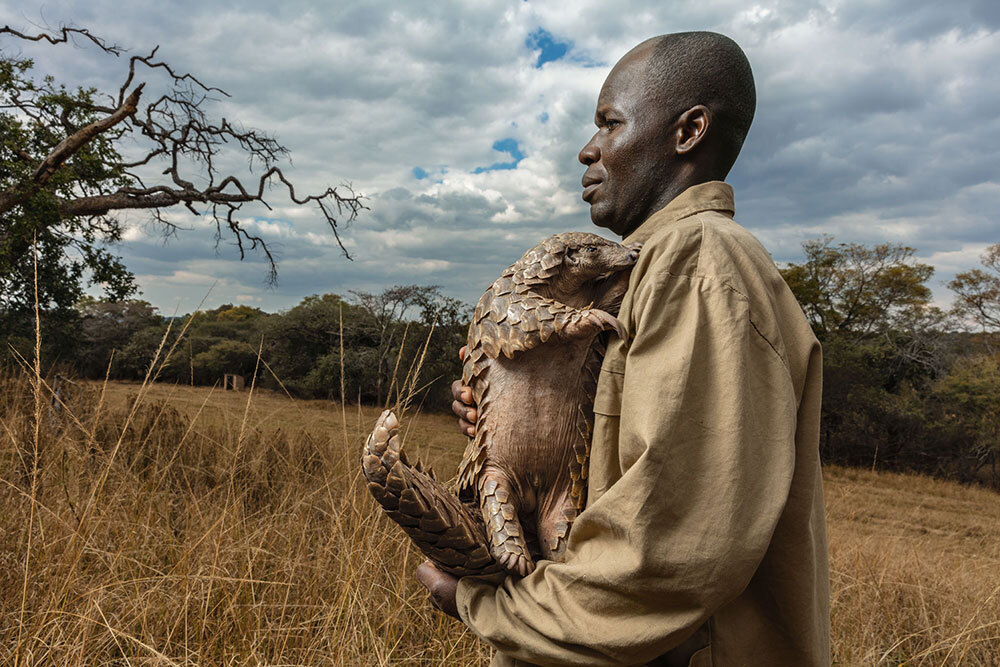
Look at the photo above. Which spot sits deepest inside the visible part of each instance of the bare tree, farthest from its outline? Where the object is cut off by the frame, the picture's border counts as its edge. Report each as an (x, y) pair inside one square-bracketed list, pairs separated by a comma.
[(63, 172)]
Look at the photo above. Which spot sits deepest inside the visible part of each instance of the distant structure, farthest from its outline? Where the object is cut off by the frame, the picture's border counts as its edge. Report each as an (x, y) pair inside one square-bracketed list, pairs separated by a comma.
[(57, 400), (233, 382)]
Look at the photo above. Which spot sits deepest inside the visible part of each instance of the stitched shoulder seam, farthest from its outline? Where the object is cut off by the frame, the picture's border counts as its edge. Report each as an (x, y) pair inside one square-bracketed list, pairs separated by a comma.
[(659, 277)]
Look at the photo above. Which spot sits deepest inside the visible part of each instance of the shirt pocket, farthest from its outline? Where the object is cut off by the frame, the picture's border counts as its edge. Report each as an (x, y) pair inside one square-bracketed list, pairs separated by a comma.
[(608, 398), (604, 467), (611, 382)]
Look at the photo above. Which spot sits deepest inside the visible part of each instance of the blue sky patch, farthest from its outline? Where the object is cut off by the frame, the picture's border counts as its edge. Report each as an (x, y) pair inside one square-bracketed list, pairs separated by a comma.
[(548, 48), (419, 173), (544, 118), (508, 146)]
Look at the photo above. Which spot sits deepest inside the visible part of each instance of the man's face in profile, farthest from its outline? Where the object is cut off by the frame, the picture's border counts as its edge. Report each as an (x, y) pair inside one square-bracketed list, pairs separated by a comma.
[(627, 159)]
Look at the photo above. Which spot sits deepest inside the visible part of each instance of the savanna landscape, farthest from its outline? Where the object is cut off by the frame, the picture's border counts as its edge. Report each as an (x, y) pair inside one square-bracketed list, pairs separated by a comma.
[(162, 524), (150, 516)]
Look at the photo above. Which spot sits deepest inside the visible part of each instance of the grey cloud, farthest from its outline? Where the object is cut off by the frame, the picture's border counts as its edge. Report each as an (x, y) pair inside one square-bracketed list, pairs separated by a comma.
[(876, 121)]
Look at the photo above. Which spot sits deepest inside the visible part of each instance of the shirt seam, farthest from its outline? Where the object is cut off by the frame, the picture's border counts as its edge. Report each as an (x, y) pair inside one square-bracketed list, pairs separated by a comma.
[(726, 285)]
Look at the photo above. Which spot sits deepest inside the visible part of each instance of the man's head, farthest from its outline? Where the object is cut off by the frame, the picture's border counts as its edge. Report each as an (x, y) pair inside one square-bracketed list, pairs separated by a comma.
[(673, 113)]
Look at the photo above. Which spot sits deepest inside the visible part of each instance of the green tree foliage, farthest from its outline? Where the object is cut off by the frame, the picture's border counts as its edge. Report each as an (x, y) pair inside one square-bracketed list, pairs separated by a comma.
[(854, 292), (106, 324), (224, 356), (387, 312), (967, 403), (978, 292), (381, 335), (886, 352), (238, 313), (306, 350), (68, 248)]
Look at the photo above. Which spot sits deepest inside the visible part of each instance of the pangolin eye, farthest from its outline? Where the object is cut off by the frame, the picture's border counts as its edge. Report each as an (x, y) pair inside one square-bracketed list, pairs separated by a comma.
[(590, 248)]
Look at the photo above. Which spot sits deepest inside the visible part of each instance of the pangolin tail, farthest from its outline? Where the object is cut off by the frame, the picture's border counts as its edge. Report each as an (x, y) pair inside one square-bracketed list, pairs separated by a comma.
[(448, 531)]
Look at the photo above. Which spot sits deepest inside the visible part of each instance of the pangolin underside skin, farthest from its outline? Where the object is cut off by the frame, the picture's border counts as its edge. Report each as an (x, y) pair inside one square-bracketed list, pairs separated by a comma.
[(533, 356)]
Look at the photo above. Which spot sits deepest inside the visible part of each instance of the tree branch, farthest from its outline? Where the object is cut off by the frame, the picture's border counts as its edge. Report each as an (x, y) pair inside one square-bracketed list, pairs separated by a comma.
[(64, 37), (65, 150), (179, 136)]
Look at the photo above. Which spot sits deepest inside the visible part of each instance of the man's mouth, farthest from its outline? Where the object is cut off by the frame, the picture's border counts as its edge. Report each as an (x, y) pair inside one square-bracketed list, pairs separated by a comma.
[(589, 190)]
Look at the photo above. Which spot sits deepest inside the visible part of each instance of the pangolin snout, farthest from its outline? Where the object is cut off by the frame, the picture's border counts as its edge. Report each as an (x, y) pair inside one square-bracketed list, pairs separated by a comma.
[(633, 251), (631, 256)]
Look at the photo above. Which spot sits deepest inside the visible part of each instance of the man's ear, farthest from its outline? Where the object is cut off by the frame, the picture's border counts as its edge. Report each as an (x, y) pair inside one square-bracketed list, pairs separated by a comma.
[(691, 128)]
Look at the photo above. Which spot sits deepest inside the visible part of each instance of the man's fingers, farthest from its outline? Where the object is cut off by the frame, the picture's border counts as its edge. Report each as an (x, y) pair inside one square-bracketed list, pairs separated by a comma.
[(461, 392), (463, 405), (461, 352), (466, 428), (442, 587), (464, 412)]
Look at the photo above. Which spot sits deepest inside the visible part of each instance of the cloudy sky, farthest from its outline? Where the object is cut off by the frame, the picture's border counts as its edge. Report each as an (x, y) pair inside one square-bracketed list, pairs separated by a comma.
[(461, 121)]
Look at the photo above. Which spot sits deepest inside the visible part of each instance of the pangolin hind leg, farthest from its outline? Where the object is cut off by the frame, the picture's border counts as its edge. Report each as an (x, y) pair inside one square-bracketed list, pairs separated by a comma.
[(446, 530), (554, 524), (503, 527)]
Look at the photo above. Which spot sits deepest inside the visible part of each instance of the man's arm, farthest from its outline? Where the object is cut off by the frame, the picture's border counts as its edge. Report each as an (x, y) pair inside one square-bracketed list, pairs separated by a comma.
[(708, 416)]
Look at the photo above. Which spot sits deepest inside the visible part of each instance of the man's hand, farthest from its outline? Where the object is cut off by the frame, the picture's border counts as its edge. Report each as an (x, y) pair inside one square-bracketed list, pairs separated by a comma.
[(463, 405), (442, 586)]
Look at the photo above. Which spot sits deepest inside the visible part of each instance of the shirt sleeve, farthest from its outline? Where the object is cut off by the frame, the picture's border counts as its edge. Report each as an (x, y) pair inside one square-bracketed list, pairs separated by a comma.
[(708, 414)]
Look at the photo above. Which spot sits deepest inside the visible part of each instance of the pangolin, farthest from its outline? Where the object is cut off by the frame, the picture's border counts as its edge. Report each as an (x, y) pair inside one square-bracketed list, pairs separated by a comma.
[(533, 355)]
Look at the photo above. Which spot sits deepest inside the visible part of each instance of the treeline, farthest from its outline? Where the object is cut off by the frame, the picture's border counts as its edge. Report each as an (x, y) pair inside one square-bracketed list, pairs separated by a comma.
[(907, 385), (383, 336)]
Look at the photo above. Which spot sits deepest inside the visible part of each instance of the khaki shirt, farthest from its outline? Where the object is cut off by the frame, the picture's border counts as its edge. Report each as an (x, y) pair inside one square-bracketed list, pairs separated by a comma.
[(703, 541)]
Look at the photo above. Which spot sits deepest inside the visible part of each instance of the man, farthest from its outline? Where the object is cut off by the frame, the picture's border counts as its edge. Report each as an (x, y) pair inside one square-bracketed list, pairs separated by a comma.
[(703, 541)]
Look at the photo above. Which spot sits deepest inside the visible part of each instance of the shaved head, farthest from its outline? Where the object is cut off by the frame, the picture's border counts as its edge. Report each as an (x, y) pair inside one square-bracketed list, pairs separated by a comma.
[(673, 113), (689, 68)]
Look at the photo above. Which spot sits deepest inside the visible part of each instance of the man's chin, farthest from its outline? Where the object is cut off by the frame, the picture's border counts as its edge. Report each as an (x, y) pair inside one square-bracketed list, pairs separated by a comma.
[(601, 217)]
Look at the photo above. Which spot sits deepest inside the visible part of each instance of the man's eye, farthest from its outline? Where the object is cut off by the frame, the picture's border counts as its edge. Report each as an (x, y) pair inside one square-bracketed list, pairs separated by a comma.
[(591, 248), (612, 124)]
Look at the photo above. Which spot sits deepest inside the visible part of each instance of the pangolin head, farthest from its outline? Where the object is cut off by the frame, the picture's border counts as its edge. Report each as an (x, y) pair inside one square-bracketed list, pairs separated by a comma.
[(580, 268)]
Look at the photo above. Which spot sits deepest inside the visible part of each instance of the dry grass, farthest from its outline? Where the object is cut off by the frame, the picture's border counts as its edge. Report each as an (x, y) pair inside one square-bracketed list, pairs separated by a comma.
[(194, 526), (915, 570), (201, 528)]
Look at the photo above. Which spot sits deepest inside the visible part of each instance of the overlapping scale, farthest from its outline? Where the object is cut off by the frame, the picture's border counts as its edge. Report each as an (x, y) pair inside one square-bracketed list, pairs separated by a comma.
[(446, 530)]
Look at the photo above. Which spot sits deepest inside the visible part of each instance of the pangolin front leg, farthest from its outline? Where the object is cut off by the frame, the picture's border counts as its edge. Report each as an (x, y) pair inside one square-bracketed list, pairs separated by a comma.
[(591, 321)]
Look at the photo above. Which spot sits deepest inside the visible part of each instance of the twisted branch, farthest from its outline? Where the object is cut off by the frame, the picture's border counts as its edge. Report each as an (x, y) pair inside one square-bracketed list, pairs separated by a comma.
[(180, 136)]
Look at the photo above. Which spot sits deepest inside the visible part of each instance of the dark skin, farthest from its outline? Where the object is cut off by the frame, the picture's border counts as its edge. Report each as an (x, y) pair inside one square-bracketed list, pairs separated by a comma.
[(642, 156)]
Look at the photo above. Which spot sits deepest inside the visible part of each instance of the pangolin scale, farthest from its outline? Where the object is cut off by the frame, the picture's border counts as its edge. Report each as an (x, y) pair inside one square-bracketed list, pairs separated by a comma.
[(533, 355)]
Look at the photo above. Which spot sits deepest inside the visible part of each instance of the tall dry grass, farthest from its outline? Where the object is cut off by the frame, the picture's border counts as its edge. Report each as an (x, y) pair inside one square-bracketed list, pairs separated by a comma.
[(139, 529), (147, 524), (915, 570)]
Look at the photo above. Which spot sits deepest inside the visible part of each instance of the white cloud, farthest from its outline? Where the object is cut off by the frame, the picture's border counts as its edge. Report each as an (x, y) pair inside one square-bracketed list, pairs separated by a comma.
[(875, 121)]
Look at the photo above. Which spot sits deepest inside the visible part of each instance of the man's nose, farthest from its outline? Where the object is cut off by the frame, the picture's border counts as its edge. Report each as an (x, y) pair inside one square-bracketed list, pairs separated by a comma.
[(590, 153)]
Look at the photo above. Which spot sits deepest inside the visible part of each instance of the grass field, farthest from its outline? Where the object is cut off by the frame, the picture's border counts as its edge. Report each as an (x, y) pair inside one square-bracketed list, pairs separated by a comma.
[(165, 525)]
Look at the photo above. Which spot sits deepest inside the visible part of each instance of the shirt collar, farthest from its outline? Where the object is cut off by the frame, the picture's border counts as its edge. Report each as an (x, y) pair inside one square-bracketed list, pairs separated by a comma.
[(710, 196)]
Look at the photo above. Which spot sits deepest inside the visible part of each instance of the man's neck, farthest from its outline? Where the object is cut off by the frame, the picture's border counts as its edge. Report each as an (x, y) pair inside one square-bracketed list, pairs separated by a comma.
[(671, 191)]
